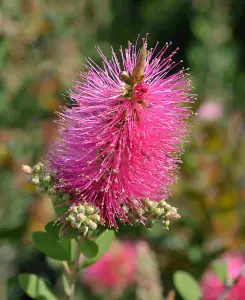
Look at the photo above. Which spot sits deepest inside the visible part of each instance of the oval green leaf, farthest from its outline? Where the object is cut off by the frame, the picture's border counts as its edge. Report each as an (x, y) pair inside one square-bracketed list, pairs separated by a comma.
[(49, 246), (187, 286), (89, 249), (35, 287), (52, 230), (103, 242)]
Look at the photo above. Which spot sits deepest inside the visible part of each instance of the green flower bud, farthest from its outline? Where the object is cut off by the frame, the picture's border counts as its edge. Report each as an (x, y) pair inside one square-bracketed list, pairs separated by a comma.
[(35, 180), (168, 207), (96, 218), (75, 224), (81, 217), (165, 224), (75, 209), (71, 217), (150, 205), (161, 204), (81, 209), (159, 212), (125, 77), (172, 213), (38, 167), (92, 225), (89, 210), (83, 229)]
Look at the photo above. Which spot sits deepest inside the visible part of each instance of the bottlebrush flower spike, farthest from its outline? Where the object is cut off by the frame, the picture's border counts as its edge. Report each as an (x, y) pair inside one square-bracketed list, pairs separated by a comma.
[(120, 142)]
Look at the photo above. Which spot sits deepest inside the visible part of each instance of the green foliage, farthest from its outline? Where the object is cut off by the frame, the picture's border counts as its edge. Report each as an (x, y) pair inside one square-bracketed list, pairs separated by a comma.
[(52, 230), (89, 249), (35, 287), (103, 242), (187, 286), (49, 246), (221, 269)]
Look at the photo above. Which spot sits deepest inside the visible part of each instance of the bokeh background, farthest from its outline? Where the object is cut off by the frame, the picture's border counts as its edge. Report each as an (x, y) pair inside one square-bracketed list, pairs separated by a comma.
[(43, 44)]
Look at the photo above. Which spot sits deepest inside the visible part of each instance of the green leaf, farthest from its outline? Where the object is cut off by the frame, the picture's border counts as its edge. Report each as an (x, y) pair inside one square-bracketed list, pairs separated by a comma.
[(49, 246), (187, 286), (35, 287), (59, 207), (68, 233), (61, 210), (103, 242), (220, 268), (89, 248), (66, 285), (52, 230), (58, 232)]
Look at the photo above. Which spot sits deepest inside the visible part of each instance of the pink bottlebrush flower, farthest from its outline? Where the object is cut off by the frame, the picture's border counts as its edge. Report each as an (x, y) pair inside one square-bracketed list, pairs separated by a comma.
[(213, 288), (211, 111), (115, 271), (121, 140)]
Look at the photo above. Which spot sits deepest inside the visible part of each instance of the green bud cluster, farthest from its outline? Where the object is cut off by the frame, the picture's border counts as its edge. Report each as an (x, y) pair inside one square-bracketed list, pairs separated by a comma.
[(152, 211), (41, 178), (84, 217)]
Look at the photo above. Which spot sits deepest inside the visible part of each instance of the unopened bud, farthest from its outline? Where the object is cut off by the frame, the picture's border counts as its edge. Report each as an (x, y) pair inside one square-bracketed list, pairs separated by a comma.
[(173, 214), (165, 224), (35, 180), (81, 209), (81, 217), (75, 209), (75, 224), (83, 229), (96, 218), (38, 167), (71, 217), (125, 77), (150, 205), (138, 74), (168, 207), (159, 212), (89, 210), (27, 169), (161, 204), (92, 225)]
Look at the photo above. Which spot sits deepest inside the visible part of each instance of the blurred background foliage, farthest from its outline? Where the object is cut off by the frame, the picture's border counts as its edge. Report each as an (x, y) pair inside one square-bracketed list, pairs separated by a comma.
[(43, 44)]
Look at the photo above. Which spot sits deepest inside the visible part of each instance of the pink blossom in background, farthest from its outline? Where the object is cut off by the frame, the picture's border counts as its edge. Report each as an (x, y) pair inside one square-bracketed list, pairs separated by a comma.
[(121, 142), (114, 272), (213, 288), (211, 111)]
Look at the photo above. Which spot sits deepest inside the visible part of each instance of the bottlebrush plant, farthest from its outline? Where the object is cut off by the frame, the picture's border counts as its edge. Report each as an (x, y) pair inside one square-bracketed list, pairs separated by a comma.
[(115, 157)]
